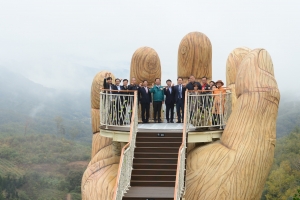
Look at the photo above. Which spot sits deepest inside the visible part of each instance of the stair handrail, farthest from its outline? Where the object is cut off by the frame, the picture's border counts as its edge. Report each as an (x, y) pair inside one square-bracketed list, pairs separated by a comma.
[(127, 154), (181, 162)]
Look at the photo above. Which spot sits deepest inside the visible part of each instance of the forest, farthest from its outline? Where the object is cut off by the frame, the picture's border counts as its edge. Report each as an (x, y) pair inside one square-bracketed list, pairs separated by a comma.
[(41, 167), (284, 179)]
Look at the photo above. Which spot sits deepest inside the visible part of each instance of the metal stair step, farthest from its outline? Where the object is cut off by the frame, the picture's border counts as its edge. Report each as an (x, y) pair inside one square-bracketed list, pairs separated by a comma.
[(155, 155), (154, 172), (153, 178)]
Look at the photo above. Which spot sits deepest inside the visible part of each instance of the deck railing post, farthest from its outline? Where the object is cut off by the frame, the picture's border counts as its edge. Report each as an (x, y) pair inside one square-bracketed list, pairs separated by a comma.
[(106, 109), (220, 111)]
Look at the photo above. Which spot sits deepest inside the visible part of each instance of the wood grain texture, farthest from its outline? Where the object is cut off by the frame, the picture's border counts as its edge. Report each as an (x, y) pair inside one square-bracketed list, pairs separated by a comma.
[(99, 179), (237, 167), (195, 56), (232, 65), (145, 65), (95, 118)]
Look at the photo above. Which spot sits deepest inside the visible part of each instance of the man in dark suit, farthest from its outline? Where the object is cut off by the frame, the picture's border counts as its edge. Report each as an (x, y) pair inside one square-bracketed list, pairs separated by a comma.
[(170, 100), (133, 85), (179, 92), (107, 83), (145, 100), (192, 82)]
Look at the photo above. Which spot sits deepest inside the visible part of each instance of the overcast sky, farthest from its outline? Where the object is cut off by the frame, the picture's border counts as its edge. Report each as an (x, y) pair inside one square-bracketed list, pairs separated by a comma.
[(63, 43)]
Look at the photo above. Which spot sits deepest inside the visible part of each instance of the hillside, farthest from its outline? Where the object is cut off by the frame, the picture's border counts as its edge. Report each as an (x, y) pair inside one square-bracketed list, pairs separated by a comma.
[(27, 107), (50, 166), (284, 178)]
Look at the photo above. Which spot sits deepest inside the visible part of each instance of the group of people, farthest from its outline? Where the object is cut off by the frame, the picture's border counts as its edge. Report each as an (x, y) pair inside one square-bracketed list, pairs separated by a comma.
[(170, 95)]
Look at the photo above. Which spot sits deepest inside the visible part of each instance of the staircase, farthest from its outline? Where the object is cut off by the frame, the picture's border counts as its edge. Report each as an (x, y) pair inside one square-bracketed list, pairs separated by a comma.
[(154, 166)]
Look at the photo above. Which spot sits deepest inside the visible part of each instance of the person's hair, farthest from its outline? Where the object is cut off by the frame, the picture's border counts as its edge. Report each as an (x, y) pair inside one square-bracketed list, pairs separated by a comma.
[(204, 77), (213, 82), (125, 80), (144, 81), (156, 79), (192, 76), (117, 79), (109, 78), (168, 80), (179, 78), (195, 85)]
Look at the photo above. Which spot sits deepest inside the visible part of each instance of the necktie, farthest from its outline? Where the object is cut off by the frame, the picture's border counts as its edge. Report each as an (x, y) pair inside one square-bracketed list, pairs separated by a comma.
[(180, 92)]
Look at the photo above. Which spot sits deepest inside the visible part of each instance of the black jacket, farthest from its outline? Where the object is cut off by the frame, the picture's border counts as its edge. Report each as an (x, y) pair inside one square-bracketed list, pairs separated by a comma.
[(144, 97), (170, 97), (190, 86), (176, 93), (106, 86)]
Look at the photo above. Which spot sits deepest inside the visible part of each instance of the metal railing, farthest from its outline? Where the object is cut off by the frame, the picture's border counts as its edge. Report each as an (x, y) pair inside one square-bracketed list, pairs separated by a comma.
[(208, 110), (181, 162), (127, 155), (116, 107)]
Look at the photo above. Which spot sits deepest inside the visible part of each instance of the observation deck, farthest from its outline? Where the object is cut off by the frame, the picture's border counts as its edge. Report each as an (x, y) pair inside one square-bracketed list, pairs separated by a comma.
[(153, 158)]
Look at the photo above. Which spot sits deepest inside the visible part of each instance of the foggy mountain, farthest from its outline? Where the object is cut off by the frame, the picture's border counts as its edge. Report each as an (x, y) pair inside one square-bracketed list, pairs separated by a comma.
[(25, 103)]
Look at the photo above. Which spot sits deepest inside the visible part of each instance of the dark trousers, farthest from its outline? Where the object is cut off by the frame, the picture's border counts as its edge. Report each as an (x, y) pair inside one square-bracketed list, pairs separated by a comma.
[(180, 107), (145, 110), (170, 108), (216, 119), (157, 110)]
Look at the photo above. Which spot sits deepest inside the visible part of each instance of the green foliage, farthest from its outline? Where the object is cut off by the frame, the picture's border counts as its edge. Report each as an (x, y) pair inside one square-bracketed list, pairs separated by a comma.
[(284, 178), (9, 186), (297, 196), (52, 166)]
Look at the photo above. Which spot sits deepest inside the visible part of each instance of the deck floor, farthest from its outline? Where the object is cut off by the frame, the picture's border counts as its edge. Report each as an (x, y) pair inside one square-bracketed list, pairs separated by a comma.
[(150, 192), (162, 127)]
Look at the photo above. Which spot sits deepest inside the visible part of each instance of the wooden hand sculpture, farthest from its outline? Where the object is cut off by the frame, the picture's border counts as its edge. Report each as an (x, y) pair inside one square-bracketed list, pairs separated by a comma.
[(237, 166)]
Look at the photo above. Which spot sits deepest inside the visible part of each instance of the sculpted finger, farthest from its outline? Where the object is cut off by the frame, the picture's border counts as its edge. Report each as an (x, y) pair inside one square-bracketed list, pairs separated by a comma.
[(257, 104), (145, 65), (195, 56), (232, 65), (98, 180)]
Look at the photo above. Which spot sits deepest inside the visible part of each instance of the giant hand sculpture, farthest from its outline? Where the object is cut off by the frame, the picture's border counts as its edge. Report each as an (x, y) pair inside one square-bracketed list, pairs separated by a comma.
[(234, 168)]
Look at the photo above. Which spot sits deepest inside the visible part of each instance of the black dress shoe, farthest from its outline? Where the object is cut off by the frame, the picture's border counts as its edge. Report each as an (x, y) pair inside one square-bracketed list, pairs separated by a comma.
[(178, 122), (159, 121), (168, 121), (172, 121)]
